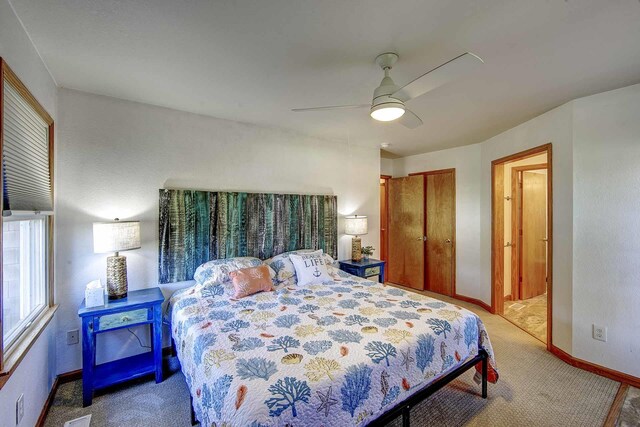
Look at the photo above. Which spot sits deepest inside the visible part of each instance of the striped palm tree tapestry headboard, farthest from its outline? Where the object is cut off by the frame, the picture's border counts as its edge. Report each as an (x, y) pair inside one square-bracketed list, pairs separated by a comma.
[(198, 226)]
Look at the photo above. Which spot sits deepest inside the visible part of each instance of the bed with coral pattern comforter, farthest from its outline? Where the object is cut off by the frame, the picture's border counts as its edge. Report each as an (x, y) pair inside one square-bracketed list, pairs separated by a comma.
[(340, 353)]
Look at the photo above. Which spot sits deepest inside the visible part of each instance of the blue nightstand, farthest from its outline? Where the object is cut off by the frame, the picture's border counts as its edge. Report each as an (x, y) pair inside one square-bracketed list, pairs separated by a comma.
[(141, 307), (371, 267)]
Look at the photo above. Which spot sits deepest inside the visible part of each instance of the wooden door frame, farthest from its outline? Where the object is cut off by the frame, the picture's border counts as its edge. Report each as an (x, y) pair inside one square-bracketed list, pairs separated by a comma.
[(385, 226), (515, 255), (453, 219), (497, 232)]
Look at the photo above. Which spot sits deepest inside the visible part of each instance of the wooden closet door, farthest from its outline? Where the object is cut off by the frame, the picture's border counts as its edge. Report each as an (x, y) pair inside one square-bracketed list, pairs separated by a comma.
[(384, 232), (406, 228), (440, 209), (533, 257)]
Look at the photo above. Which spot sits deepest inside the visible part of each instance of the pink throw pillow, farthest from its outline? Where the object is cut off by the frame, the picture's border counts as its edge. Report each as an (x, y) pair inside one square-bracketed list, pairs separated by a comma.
[(251, 280)]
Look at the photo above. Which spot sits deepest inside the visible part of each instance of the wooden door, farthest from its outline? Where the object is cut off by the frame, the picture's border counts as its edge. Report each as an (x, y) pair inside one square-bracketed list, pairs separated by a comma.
[(384, 232), (406, 228), (533, 255), (440, 209)]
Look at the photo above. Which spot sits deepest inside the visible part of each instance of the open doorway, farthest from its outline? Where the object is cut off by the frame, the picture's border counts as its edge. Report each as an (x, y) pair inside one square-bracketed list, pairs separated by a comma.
[(522, 240)]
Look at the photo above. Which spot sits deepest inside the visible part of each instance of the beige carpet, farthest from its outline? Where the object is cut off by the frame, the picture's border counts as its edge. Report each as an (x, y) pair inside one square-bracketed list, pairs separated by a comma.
[(529, 314), (535, 389)]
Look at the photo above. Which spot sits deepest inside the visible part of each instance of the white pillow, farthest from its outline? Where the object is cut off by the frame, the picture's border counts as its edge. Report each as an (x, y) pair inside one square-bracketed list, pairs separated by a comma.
[(284, 269), (310, 268)]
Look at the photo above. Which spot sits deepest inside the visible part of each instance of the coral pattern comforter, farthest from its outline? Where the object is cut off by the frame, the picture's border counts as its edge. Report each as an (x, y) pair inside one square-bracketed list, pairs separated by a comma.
[(340, 353)]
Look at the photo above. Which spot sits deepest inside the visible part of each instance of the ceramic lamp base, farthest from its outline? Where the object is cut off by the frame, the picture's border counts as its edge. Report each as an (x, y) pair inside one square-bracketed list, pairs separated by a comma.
[(356, 249), (117, 285)]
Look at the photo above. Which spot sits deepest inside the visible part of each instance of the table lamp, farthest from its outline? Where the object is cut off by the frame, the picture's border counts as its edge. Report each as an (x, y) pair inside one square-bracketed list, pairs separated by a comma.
[(116, 237), (356, 225)]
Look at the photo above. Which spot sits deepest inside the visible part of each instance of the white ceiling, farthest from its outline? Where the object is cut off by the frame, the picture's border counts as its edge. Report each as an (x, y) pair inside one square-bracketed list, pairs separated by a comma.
[(253, 61)]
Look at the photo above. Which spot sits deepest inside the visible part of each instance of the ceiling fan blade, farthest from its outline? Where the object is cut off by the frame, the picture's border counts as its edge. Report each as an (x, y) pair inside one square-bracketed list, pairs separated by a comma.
[(441, 75), (332, 107), (410, 120)]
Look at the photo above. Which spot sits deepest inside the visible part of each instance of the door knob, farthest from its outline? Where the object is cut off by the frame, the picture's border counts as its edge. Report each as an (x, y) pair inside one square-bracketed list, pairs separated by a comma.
[(448, 241), (545, 240), (423, 239)]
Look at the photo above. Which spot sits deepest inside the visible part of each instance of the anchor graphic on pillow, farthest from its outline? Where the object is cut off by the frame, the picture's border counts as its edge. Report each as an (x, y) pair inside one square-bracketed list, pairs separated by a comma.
[(316, 273)]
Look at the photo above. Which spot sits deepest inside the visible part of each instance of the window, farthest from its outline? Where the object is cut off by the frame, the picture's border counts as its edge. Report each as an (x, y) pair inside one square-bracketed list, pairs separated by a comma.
[(26, 143), (24, 275)]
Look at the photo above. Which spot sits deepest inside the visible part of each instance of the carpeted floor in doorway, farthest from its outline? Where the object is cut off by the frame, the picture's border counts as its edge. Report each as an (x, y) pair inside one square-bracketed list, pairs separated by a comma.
[(535, 389)]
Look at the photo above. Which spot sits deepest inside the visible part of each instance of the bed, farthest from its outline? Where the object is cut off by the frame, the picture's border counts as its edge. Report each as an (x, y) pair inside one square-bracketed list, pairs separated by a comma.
[(345, 352)]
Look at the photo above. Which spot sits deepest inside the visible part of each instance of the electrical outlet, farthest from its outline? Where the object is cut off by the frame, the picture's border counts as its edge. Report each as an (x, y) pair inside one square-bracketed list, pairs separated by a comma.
[(600, 333), (73, 337), (19, 409)]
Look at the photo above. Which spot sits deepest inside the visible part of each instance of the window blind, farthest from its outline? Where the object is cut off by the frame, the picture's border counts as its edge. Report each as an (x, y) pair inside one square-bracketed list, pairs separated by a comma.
[(25, 157)]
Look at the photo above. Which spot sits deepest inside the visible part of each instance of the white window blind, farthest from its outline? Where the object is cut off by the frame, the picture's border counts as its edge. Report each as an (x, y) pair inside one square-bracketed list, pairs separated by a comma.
[(25, 157)]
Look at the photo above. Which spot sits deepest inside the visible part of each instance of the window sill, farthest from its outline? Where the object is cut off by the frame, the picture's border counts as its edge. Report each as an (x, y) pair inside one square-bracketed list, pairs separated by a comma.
[(21, 349)]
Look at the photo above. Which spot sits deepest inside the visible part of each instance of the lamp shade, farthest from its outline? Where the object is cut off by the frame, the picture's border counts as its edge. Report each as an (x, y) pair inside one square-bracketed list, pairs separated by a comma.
[(355, 225), (116, 236)]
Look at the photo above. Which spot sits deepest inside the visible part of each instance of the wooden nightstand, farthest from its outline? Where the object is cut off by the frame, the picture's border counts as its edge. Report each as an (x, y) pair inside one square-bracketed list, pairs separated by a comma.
[(365, 269), (141, 307)]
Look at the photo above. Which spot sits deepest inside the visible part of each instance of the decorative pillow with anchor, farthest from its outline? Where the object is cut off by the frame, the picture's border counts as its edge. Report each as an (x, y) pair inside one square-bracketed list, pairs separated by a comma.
[(311, 268), (285, 272)]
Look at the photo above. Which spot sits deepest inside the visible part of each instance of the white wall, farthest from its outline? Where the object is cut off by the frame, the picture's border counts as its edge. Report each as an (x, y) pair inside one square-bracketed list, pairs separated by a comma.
[(606, 257), (33, 378), (35, 374), (114, 155), (386, 166)]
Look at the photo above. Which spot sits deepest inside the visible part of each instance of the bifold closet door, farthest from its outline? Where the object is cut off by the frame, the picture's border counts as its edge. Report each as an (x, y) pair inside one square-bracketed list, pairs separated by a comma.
[(440, 209), (406, 231)]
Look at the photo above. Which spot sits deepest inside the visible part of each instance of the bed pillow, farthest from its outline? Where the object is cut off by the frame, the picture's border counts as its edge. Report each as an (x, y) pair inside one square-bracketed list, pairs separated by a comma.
[(217, 270), (284, 269), (251, 280), (311, 268)]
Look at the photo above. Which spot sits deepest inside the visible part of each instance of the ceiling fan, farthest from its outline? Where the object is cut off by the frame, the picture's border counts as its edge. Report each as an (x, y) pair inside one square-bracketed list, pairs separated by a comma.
[(389, 99)]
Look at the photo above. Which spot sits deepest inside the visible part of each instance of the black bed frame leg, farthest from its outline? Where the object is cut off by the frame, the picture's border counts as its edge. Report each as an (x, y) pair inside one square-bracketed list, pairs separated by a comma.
[(406, 416), (485, 374), (194, 421)]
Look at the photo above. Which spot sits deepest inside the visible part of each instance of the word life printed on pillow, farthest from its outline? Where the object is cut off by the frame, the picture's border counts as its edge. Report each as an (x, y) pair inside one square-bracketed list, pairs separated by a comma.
[(310, 268)]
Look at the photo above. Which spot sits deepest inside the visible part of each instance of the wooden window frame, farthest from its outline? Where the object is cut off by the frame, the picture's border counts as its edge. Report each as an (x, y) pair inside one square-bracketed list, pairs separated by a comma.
[(10, 361)]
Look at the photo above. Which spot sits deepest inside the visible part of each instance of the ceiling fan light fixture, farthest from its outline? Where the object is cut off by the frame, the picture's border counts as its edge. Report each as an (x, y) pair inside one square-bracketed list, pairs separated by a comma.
[(386, 112)]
